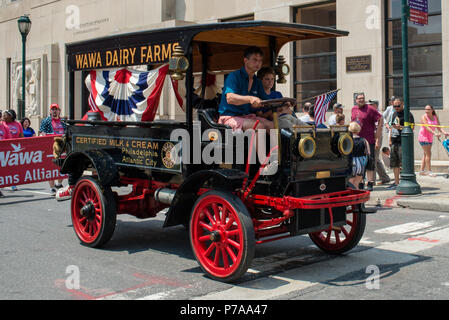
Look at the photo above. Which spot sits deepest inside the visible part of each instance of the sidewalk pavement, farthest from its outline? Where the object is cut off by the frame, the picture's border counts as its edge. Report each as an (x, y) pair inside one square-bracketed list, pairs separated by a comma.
[(434, 196)]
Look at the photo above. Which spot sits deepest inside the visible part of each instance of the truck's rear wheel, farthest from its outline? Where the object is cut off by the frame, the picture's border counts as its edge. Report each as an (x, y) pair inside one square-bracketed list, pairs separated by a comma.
[(93, 212), (222, 235), (341, 239)]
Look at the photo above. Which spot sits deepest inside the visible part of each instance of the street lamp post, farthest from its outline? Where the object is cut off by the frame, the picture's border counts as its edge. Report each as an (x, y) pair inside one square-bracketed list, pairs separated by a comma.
[(408, 184), (24, 24)]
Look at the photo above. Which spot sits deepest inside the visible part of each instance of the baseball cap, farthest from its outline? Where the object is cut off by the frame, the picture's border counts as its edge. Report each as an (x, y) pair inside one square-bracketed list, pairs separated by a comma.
[(54, 105), (337, 105)]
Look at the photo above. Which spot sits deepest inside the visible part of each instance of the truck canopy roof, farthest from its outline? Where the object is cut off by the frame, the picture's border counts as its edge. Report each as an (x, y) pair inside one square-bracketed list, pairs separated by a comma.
[(224, 42)]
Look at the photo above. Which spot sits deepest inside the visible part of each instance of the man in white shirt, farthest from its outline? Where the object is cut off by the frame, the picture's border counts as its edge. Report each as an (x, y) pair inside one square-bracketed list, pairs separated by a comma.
[(387, 114), (338, 109), (305, 109)]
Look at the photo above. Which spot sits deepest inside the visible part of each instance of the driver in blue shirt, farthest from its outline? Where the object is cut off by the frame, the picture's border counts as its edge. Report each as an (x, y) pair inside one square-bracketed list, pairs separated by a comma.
[(243, 93)]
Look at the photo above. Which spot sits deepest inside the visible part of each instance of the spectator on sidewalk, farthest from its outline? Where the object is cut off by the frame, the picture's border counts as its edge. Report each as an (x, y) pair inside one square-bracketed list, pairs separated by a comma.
[(338, 109), (340, 119), (386, 156), (397, 124), (360, 154), (53, 125), (305, 109), (425, 138), (27, 130), (371, 122), (312, 120), (4, 134), (15, 128), (380, 169), (4, 130)]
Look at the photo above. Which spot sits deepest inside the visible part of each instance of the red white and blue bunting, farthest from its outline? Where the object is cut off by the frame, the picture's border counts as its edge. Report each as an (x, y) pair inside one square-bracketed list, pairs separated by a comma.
[(129, 95)]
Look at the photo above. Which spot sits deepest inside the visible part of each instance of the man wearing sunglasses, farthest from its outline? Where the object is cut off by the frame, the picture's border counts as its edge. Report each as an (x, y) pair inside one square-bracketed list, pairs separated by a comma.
[(397, 124)]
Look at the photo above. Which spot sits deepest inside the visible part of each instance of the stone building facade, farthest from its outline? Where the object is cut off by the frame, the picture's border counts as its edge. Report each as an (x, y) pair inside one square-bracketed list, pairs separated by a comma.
[(368, 60)]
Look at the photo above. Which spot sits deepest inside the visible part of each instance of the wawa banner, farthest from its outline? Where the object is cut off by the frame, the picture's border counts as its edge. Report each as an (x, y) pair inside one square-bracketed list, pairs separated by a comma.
[(27, 160)]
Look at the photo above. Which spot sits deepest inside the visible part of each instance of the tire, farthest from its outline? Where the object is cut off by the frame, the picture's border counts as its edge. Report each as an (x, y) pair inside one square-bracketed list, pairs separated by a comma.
[(93, 211), (222, 235), (340, 239)]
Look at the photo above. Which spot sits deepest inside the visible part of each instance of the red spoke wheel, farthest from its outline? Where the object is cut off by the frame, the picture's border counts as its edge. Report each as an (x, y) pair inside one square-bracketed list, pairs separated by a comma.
[(222, 235), (93, 212), (344, 238)]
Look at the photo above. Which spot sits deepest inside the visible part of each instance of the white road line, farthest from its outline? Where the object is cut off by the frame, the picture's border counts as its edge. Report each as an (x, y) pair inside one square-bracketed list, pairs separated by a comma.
[(37, 192), (421, 232), (366, 241), (301, 278), (406, 227), (416, 244), (298, 279)]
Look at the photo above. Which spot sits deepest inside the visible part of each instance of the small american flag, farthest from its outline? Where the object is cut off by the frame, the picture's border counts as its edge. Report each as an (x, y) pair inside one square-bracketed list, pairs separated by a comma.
[(321, 106)]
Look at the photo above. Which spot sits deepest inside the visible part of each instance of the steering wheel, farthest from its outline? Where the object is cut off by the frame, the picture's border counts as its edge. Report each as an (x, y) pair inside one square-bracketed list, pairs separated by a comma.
[(273, 104)]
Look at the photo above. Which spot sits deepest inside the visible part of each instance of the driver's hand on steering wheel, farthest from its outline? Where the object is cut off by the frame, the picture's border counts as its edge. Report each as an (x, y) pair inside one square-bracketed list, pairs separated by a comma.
[(255, 102)]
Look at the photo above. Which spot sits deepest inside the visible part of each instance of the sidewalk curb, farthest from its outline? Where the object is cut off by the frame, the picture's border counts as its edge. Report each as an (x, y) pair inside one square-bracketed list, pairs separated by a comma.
[(424, 204), (415, 203)]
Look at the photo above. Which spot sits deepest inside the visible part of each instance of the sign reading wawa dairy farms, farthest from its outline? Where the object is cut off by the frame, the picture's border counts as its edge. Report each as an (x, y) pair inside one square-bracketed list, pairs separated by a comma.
[(27, 160)]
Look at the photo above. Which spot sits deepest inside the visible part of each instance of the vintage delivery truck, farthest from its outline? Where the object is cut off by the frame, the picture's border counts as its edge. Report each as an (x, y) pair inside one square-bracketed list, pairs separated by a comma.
[(228, 206)]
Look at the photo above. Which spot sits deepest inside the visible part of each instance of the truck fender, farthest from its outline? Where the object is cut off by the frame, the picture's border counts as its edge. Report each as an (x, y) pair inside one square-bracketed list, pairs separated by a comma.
[(77, 162), (186, 195)]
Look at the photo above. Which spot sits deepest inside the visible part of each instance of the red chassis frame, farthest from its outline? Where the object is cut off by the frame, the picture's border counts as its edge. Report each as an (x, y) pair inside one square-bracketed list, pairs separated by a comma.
[(141, 204)]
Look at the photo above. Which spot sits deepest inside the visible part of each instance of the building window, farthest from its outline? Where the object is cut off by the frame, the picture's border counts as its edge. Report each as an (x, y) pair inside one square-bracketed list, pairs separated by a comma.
[(315, 61), (425, 56)]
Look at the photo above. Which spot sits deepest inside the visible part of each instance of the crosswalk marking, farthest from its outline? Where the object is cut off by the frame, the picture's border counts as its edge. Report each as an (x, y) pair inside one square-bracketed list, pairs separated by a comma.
[(413, 246), (276, 286), (406, 227), (298, 279)]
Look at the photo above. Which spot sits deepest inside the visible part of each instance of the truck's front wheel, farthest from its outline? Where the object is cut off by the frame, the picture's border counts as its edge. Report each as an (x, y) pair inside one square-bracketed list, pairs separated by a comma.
[(222, 235), (93, 212)]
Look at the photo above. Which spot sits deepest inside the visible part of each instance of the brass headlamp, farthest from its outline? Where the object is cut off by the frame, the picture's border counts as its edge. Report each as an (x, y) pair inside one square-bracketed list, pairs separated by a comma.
[(282, 69), (306, 146), (178, 64), (345, 144)]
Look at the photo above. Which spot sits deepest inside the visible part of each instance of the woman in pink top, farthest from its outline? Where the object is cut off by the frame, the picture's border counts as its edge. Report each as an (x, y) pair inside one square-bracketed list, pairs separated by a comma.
[(425, 138), (15, 128)]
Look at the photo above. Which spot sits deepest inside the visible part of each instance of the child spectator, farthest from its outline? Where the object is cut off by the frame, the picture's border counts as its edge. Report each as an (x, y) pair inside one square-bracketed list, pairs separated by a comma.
[(360, 155), (340, 119)]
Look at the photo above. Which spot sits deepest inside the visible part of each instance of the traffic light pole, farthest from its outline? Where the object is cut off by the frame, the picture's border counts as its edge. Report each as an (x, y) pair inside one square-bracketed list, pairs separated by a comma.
[(408, 184)]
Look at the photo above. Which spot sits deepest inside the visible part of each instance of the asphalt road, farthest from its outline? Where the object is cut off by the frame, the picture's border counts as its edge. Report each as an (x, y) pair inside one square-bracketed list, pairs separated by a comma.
[(403, 255)]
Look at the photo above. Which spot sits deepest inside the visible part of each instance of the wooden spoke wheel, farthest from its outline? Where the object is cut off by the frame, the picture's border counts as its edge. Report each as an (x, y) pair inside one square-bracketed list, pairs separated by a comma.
[(222, 235), (93, 212), (341, 239)]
